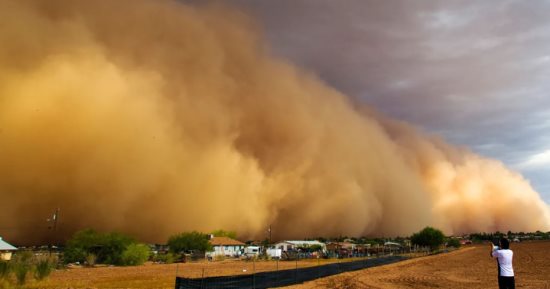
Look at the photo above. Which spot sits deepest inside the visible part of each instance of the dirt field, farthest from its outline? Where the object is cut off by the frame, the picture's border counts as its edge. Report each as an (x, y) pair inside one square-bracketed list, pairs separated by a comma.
[(470, 267), (158, 276)]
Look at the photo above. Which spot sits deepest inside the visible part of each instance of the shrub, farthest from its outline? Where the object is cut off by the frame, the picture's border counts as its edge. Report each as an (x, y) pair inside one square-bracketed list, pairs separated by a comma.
[(5, 269), (135, 254), (44, 267), (430, 237), (4, 284), (21, 266), (169, 258), (21, 270)]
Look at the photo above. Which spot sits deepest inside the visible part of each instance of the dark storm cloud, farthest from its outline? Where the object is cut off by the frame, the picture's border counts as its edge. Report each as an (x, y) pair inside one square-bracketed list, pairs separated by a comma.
[(474, 71)]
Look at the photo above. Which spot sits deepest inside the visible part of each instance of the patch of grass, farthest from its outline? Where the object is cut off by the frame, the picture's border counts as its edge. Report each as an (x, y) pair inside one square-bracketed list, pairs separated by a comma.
[(44, 267), (21, 271), (5, 270)]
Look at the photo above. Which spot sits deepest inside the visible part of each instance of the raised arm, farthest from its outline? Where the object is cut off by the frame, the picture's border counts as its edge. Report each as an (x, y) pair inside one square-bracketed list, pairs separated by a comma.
[(492, 250)]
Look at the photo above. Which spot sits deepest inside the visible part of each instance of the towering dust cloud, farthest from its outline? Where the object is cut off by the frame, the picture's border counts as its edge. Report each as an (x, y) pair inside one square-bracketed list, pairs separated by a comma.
[(154, 117)]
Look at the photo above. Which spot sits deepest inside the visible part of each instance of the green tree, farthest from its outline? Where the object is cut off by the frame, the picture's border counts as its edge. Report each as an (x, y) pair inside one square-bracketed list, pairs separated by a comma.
[(453, 242), (223, 233), (135, 254), (107, 248), (114, 245), (430, 237), (188, 241), (81, 244)]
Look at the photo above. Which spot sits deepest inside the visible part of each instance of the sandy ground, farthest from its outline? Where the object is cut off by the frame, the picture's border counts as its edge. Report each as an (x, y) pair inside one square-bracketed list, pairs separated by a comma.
[(159, 275), (469, 267)]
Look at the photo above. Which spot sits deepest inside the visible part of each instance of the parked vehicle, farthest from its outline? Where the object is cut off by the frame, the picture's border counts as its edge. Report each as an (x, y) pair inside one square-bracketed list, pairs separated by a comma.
[(250, 252), (274, 253)]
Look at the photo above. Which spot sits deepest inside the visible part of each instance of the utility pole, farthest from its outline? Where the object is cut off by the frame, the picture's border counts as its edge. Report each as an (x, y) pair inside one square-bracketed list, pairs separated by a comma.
[(269, 235), (53, 227), (55, 218)]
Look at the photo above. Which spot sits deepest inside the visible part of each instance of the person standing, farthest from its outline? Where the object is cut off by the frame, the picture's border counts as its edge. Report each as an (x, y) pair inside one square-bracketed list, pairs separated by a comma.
[(504, 257)]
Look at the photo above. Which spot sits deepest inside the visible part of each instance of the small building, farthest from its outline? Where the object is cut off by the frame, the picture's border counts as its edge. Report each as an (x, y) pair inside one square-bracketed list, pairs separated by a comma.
[(294, 245), (6, 250), (347, 249), (224, 246), (337, 246)]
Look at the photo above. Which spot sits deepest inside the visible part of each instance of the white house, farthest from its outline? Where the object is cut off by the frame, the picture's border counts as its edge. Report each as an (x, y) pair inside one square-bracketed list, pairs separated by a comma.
[(224, 246), (6, 250), (292, 245)]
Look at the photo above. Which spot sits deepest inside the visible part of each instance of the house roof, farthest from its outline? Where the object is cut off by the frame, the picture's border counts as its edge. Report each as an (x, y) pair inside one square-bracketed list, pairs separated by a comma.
[(4, 246), (225, 241), (392, 244), (302, 243)]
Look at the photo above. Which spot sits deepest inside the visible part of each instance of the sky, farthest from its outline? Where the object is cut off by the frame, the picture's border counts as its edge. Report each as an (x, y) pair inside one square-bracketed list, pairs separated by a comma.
[(475, 72)]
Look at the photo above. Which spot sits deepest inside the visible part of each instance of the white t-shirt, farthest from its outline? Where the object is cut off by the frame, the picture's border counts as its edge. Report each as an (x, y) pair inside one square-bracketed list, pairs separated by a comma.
[(504, 262)]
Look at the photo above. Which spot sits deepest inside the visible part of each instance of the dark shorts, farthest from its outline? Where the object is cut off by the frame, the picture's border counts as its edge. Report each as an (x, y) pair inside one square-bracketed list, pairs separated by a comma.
[(506, 282)]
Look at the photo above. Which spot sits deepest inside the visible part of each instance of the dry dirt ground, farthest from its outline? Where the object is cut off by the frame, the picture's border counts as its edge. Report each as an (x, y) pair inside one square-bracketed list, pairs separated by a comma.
[(152, 276), (469, 267)]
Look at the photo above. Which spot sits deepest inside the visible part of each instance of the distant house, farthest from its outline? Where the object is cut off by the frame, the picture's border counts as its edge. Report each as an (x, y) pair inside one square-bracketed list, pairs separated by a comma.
[(347, 249), (224, 246), (336, 246), (293, 245), (6, 250)]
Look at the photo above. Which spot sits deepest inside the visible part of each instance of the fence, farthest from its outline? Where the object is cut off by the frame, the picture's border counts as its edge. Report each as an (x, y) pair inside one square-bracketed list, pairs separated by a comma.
[(272, 279)]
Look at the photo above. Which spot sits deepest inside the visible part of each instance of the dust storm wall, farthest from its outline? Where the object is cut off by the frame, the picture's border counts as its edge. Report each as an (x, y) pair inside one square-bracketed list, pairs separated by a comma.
[(155, 117)]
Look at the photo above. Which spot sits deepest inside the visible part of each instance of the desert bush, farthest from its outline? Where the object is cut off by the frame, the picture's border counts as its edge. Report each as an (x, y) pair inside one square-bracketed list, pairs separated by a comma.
[(135, 254), (5, 269), (169, 258), (21, 271), (44, 266), (22, 264)]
